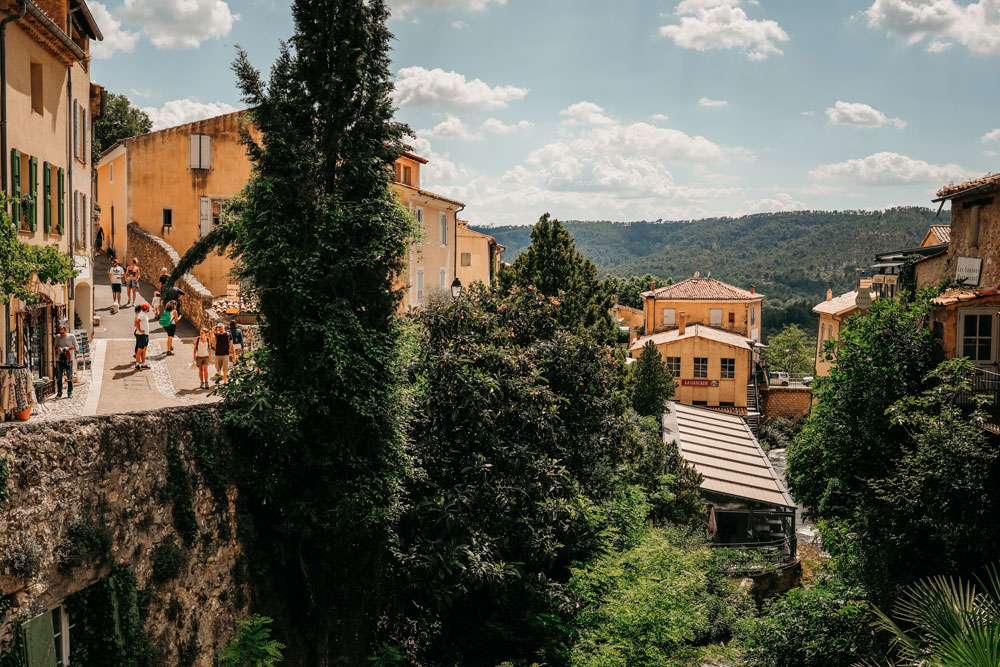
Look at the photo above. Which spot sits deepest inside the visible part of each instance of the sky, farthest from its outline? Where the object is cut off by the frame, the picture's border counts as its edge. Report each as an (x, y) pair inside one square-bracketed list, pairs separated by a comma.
[(630, 109)]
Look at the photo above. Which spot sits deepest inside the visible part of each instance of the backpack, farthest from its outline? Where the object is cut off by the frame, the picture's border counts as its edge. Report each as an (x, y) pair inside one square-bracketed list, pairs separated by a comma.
[(165, 318)]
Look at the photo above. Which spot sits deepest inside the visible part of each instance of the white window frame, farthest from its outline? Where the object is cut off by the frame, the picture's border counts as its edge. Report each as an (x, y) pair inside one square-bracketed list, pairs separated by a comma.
[(960, 340), (715, 317), (669, 317), (420, 285), (673, 365)]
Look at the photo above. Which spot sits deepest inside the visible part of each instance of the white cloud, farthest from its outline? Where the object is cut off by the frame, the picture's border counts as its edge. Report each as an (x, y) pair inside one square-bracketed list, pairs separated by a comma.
[(585, 113), (722, 24), (173, 24), (403, 7), (178, 112), (452, 127), (459, 25), (992, 135), (706, 102), (990, 153), (808, 113), (416, 86), (494, 126), (440, 169), (661, 117), (889, 169), (780, 202), (938, 46), (860, 115), (975, 25), (116, 38)]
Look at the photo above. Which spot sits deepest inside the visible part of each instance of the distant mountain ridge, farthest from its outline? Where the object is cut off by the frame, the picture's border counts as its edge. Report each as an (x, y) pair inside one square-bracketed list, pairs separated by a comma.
[(788, 255)]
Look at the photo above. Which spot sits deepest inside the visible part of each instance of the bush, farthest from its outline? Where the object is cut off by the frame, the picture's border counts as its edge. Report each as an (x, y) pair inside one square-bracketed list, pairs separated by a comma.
[(86, 543), (253, 646), (828, 625), (23, 557), (168, 560)]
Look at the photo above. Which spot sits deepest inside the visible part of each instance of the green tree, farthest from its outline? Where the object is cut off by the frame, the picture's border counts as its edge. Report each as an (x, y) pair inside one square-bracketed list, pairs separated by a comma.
[(21, 262), (552, 264), (629, 290), (651, 382), (120, 120), (253, 646), (791, 351), (318, 414)]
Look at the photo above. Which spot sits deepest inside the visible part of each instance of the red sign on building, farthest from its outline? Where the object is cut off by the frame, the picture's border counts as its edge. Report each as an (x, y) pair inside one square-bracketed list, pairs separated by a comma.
[(699, 383)]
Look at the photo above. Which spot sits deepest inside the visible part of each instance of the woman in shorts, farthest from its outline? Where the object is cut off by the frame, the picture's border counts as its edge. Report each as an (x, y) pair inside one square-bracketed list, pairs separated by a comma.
[(171, 328), (202, 351), (222, 345), (132, 280)]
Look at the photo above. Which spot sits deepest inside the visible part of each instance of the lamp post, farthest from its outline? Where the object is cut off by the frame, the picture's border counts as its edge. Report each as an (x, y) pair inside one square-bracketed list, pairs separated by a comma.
[(456, 288)]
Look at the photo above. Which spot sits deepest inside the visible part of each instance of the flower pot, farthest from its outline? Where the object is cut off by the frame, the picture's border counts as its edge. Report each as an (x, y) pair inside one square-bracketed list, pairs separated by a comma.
[(23, 415)]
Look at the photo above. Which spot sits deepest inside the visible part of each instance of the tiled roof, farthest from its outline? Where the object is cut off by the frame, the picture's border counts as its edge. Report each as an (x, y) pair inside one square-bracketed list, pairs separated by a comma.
[(941, 233), (952, 190), (725, 452), (952, 296), (691, 331), (702, 289), (839, 304)]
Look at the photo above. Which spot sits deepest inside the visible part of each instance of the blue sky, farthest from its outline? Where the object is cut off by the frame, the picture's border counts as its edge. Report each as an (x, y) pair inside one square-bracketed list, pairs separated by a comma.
[(631, 109)]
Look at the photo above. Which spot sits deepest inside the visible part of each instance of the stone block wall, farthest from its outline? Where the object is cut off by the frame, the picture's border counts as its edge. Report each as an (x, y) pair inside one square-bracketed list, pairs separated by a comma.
[(153, 254), (791, 403), (111, 472)]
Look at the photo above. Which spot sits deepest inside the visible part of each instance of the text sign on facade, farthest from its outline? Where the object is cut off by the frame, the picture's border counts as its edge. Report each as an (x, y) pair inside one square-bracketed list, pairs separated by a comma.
[(699, 383), (968, 270)]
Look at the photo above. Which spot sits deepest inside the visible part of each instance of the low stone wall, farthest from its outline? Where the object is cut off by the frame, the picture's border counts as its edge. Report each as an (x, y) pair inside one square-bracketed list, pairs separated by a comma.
[(110, 474), (153, 254), (791, 403)]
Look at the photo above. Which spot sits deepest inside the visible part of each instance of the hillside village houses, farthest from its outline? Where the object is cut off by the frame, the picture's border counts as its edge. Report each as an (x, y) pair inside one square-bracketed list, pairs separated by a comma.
[(49, 105), (172, 185)]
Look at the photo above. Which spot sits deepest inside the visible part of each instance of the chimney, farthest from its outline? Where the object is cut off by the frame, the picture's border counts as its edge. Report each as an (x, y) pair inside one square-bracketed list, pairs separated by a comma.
[(681, 322), (829, 292), (616, 299), (652, 285), (697, 274), (753, 290)]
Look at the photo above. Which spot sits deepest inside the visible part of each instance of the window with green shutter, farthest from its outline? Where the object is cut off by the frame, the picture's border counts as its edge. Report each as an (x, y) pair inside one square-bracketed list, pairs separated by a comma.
[(39, 642), (47, 197), (15, 185), (32, 209), (62, 201)]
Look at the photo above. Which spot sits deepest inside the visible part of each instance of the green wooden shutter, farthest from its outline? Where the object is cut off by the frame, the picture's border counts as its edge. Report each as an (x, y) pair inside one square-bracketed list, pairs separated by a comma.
[(15, 185), (62, 201), (39, 642), (47, 197), (32, 209)]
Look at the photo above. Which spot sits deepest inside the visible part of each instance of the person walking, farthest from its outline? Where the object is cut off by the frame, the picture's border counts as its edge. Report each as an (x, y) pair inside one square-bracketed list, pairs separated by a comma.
[(99, 239), (116, 275), (222, 345), (236, 334), (168, 320), (132, 280), (65, 345), (202, 351), (157, 305), (141, 335), (164, 274)]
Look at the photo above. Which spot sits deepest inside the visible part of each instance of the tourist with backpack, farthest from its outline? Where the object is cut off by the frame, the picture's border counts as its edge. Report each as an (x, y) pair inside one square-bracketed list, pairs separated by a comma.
[(168, 320), (202, 352), (236, 334)]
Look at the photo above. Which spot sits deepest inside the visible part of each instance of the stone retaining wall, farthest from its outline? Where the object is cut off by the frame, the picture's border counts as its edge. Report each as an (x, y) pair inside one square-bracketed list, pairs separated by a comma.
[(153, 254), (111, 472), (791, 403)]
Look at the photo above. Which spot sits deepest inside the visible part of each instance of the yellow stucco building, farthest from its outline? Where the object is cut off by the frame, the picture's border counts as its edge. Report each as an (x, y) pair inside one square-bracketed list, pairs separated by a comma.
[(49, 110), (478, 255), (173, 183), (833, 315), (707, 332)]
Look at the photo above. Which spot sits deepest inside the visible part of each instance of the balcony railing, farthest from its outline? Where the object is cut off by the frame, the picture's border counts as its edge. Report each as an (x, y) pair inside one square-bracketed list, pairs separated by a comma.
[(985, 383)]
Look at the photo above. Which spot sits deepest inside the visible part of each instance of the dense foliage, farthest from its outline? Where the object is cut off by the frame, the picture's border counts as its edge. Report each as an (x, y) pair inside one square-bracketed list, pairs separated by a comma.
[(790, 350), (629, 290), (120, 120), (650, 383), (552, 264), (786, 255), (20, 262), (525, 464), (825, 625), (253, 646)]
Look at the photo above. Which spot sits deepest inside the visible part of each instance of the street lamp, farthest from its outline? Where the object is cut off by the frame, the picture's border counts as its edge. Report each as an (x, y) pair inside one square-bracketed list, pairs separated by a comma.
[(456, 288)]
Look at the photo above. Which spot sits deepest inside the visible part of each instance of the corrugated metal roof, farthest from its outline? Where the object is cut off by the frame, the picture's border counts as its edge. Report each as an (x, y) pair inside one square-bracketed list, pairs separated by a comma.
[(725, 452), (702, 289)]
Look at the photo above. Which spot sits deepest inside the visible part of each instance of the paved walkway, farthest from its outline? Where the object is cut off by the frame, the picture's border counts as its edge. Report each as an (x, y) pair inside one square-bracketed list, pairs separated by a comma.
[(112, 384)]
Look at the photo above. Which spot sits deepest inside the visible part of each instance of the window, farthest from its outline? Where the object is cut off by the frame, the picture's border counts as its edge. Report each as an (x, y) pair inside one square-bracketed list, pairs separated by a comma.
[(77, 207), (669, 317), (31, 210), (47, 198), (822, 334), (216, 212), (420, 286), (715, 317), (444, 278), (726, 404), (466, 259), (728, 369), (83, 133), (753, 316), (443, 224), (732, 320), (168, 217), (977, 335), (703, 404), (76, 129), (406, 176), (674, 366), (111, 173), (418, 213), (701, 367), (200, 151), (37, 92), (60, 635)]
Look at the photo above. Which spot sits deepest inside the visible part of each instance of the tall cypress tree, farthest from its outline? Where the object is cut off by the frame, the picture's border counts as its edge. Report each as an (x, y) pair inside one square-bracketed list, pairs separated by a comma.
[(320, 238)]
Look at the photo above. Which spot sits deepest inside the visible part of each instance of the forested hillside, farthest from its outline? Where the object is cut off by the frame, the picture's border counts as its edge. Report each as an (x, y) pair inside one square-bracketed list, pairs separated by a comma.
[(790, 257)]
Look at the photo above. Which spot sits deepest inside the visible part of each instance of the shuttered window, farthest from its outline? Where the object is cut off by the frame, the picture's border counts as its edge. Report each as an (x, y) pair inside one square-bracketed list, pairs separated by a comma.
[(715, 317), (32, 208), (47, 198), (200, 146), (39, 642), (76, 129), (443, 223), (15, 186), (669, 317), (62, 201)]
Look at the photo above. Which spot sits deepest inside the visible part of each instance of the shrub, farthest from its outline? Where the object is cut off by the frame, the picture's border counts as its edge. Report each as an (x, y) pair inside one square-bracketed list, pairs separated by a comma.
[(253, 646), (86, 543), (168, 560), (23, 557), (827, 625)]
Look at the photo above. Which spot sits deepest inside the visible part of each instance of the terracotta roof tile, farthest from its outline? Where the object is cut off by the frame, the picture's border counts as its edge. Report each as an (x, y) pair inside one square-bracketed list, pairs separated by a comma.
[(702, 289), (942, 233), (952, 296), (839, 304), (952, 190), (691, 331)]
